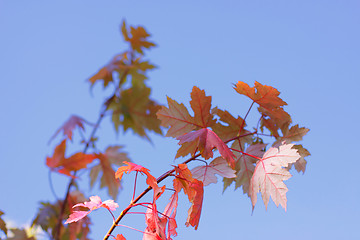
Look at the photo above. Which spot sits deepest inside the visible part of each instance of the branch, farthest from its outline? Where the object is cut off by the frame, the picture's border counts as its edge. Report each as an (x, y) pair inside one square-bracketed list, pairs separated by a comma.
[(92, 135), (160, 179)]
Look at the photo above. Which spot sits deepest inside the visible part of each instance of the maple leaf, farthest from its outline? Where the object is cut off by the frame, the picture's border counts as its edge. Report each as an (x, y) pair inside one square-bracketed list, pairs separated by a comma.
[(206, 140), (69, 126), (234, 126), (79, 229), (300, 164), (206, 173), (194, 189), (150, 180), (270, 173), (179, 119), (270, 105), (155, 226), (105, 74), (94, 203), (170, 212), (119, 63), (112, 156), (293, 134), (201, 105), (176, 117), (246, 165), (181, 124), (135, 110), (48, 217), (194, 212), (137, 71), (63, 165), (137, 37)]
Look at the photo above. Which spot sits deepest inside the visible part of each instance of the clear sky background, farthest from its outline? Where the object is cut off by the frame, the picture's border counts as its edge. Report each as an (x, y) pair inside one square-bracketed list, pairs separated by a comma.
[(308, 50)]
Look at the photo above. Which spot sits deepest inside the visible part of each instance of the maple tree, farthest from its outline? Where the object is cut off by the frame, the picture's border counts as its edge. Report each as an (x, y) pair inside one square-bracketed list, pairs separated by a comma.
[(220, 143)]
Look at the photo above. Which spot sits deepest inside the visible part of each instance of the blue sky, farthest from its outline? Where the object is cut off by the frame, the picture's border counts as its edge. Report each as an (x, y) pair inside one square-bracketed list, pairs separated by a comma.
[(308, 50)]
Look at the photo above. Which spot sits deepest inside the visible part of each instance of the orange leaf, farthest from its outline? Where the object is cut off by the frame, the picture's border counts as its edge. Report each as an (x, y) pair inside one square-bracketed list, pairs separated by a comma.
[(178, 118), (270, 104), (194, 212), (201, 105), (193, 188), (137, 37), (233, 128), (150, 180), (265, 96), (63, 165)]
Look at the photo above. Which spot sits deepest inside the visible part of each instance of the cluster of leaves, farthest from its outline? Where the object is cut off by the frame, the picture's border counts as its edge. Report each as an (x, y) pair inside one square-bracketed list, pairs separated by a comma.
[(222, 145), (245, 162), (130, 107)]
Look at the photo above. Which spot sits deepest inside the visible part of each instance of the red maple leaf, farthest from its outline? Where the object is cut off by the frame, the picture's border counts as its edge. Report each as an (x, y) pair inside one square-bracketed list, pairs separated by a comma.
[(206, 140)]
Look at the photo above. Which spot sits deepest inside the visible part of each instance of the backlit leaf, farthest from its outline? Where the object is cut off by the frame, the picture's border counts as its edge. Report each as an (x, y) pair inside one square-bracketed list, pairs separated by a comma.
[(150, 180), (270, 105), (193, 188), (206, 140), (270, 173), (94, 203), (176, 117), (112, 156), (69, 126), (206, 173)]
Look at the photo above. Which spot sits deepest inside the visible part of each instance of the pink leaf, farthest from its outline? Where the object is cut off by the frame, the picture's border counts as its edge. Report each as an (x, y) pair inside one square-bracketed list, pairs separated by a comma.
[(95, 203), (155, 226), (270, 173), (206, 174)]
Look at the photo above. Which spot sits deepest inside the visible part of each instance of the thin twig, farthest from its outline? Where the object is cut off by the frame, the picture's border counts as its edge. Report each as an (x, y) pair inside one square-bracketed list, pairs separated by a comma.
[(92, 135)]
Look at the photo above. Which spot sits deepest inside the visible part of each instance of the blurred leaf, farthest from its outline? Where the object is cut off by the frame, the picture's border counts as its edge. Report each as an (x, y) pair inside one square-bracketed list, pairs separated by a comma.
[(112, 156), (3, 224), (134, 110), (19, 234)]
